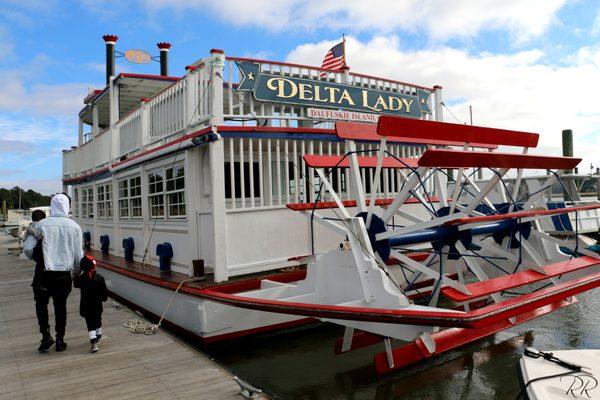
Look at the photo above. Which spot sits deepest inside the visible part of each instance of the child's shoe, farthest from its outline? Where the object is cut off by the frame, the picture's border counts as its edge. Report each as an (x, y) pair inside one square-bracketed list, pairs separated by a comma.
[(94, 345)]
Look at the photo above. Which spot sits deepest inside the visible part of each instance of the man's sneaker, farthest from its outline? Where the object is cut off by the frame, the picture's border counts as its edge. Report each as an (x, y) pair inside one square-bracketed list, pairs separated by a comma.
[(94, 345), (60, 345), (45, 344)]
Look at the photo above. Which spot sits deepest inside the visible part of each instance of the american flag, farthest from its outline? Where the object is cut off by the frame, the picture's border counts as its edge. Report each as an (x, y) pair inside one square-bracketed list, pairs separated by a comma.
[(335, 58)]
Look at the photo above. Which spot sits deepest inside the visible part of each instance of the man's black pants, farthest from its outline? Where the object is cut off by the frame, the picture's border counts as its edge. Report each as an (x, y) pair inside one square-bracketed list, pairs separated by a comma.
[(55, 285)]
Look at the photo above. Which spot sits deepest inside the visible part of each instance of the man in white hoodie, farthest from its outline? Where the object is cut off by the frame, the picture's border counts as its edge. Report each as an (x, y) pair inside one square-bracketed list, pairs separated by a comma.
[(62, 247)]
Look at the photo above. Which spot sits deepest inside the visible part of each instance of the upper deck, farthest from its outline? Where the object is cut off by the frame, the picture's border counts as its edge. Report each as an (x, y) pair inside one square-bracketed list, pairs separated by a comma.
[(135, 113)]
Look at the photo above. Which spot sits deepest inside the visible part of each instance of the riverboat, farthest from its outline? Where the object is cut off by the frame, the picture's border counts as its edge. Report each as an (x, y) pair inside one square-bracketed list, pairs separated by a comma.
[(232, 200)]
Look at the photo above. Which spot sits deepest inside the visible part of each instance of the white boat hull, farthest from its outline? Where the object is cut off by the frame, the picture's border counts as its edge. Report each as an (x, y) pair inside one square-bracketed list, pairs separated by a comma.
[(207, 320)]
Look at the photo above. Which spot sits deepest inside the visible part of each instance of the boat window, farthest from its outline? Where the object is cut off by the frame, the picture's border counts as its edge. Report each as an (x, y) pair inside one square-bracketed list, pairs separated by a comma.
[(175, 192), (87, 202), (166, 192), (104, 200), (130, 197)]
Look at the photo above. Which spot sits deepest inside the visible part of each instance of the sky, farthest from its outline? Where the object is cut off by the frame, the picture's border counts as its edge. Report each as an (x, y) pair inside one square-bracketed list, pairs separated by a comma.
[(531, 65)]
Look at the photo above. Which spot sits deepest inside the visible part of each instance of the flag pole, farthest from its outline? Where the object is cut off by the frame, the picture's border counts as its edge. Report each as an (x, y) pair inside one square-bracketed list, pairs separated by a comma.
[(344, 44)]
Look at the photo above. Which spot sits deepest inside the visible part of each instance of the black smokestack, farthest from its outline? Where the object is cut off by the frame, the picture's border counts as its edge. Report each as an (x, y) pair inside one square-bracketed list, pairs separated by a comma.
[(164, 57), (110, 41)]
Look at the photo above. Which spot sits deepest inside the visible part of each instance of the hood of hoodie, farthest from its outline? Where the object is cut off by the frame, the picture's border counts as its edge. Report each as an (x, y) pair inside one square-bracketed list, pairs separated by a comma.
[(59, 205)]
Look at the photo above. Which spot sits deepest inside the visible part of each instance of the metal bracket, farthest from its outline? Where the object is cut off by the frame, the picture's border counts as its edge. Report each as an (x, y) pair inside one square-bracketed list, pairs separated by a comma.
[(428, 341), (347, 343)]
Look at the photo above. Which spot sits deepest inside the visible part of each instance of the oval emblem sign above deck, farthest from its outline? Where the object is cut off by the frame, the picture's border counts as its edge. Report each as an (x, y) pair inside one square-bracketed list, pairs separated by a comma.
[(278, 88), (138, 56)]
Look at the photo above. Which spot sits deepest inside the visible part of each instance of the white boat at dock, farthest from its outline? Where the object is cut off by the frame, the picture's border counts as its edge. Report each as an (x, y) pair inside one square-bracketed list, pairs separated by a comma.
[(197, 194)]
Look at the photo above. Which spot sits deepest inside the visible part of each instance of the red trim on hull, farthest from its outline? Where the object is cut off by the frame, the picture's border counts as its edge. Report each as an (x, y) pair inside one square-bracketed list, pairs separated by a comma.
[(479, 318), (454, 338)]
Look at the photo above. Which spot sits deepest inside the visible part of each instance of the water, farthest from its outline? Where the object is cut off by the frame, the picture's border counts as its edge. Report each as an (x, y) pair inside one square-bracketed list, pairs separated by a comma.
[(300, 364)]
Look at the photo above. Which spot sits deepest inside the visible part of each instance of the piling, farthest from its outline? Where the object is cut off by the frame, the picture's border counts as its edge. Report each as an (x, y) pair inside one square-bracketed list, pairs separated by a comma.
[(567, 150)]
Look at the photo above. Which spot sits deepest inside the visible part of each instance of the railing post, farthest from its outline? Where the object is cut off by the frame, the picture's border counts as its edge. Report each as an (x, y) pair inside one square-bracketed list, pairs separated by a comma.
[(80, 136), (113, 92), (217, 162), (191, 92), (95, 127), (217, 62), (438, 103), (144, 124)]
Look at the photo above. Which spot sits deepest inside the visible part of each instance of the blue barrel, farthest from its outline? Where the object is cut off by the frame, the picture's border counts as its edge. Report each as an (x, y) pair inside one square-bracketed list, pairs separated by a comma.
[(87, 240), (104, 243), (128, 246), (164, 251)]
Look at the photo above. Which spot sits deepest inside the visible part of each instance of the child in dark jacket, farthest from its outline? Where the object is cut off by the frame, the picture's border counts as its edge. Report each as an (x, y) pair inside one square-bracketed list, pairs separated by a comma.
[(93, 294)]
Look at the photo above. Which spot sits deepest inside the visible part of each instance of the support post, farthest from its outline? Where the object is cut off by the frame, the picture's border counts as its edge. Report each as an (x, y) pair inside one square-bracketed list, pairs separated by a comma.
[(217, 162), (95, 126), (80, 136), (144, 124), (113, 92), (567, 150)]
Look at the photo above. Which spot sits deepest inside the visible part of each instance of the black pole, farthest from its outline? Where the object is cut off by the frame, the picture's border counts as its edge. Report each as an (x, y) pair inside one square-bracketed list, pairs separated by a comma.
[(110, 41), (567, 150), (164, 57)]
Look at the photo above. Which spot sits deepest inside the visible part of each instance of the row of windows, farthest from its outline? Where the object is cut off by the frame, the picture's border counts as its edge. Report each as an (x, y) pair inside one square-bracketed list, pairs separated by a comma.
[(166, 191)]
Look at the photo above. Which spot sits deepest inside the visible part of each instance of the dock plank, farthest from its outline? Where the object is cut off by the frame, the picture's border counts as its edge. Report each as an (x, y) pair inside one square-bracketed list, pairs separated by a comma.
[(128, 366)]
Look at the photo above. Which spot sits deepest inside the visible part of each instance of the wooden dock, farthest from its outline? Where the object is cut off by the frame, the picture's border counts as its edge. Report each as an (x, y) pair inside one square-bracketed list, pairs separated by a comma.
[(128, 365)]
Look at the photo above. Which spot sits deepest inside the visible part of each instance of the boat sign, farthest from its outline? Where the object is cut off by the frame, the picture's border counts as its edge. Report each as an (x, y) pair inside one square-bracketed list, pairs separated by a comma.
[(341, 115), (138, 56), (309, 92)]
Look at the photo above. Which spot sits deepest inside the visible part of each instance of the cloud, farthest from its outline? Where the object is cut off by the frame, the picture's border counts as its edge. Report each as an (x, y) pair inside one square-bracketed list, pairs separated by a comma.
[(512, 91), (441, 19), (15, 146), (40, 99), (20, 132)]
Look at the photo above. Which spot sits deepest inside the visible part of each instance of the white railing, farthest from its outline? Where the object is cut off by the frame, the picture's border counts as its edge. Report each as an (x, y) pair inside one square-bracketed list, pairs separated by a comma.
[(130, 132), (200, 95), (85, 156), (101, 149), (167, 111), (274, 172)]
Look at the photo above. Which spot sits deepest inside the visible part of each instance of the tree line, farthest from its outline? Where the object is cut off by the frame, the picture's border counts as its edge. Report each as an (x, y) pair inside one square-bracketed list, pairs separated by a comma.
[(29, 198)]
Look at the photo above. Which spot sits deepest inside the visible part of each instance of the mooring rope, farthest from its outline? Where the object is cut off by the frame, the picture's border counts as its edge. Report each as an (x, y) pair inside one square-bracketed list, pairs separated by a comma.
[(138, 326)]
